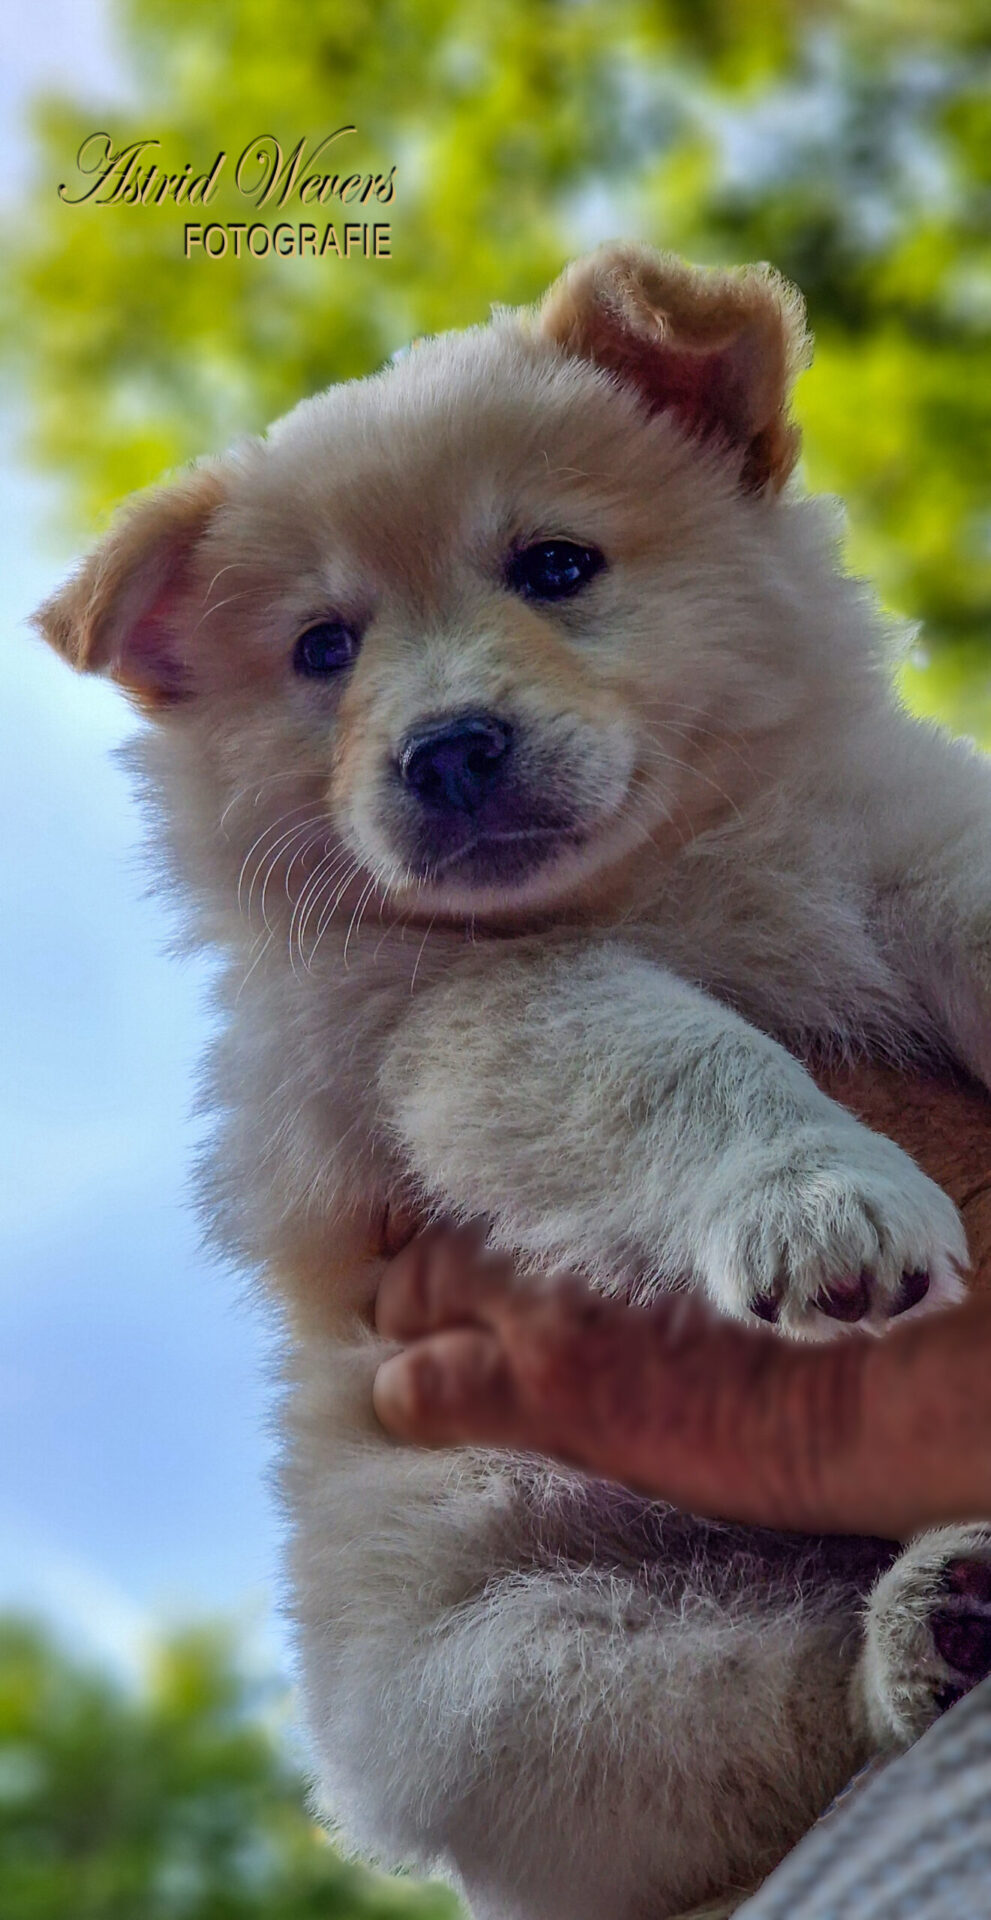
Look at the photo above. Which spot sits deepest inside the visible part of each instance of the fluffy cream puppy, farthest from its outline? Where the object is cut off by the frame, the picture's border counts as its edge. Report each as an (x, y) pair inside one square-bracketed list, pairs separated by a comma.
[(520, 742)]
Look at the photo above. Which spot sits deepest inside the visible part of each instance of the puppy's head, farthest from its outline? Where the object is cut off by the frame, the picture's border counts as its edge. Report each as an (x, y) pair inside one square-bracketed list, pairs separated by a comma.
[(470, 630)]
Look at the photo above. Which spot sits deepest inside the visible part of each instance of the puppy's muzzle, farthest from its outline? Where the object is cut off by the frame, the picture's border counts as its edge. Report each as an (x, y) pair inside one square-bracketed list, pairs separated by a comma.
[(478, 811), (456, 765)]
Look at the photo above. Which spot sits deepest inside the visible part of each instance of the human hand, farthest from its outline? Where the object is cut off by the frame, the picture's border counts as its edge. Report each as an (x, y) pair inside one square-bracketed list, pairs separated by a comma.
[(863, 1435)]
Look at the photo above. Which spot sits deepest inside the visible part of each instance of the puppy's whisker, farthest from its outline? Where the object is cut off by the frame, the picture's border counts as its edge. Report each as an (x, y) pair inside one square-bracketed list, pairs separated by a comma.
[(580, 473), (728, 741), (317, 890), (311, 889), (263, 944), (637, 809), (390, 927), (271, 859), (381, 874), (352, 873), (297, 856), (261, 788), (354, 865), (314, 890), (419, 957), (692, 732), (693, 720), (323, 924), (671, 760), (408, 879), (359, 909), (268, 858), (245, 593), (274, 827), (419, 884), (229, 568)]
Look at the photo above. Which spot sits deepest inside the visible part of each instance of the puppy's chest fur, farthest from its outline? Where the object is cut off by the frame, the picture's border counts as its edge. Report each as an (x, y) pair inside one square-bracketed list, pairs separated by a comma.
[(789, 932), (791, 935)]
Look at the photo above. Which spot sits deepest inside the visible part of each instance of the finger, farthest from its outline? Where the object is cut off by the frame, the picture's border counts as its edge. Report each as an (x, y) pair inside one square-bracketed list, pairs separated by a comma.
[(861, 1436), (718, 1419), (659, 1399), (442, 1277), (453, 1388)]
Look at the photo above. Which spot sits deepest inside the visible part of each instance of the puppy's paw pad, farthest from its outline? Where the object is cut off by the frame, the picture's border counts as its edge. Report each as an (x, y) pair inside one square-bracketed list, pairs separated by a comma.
[(961, 1626), (928, 1636), (912, 1289), (851, 1301), (970, 1581), (848, 1300), (842, 1229)]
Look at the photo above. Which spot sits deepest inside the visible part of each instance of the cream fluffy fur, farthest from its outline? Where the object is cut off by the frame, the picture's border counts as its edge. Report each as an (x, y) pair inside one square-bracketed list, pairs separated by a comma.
[(575, 1703)]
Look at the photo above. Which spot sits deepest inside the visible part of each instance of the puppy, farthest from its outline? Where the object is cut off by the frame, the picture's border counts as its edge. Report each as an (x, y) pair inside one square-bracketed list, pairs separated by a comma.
[(522, 745)]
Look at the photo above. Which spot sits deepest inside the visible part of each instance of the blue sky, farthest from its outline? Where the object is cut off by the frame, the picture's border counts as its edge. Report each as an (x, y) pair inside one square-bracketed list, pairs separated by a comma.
[(133, 1390)]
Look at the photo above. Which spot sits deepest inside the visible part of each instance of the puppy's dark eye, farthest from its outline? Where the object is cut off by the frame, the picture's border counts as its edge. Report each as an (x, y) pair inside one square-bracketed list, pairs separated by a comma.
[(553, 569), (325, 648)]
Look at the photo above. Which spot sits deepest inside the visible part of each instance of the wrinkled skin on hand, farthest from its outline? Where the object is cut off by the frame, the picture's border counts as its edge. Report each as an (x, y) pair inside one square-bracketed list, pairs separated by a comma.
[(862, 1435)]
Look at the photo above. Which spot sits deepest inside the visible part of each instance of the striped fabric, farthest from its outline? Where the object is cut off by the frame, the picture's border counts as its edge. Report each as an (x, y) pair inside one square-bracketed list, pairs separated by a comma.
[(909, 1840)]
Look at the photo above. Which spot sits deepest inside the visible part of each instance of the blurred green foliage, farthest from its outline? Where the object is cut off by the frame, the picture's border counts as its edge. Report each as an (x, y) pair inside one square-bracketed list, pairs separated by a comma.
[(173, 1803), (849, 142)]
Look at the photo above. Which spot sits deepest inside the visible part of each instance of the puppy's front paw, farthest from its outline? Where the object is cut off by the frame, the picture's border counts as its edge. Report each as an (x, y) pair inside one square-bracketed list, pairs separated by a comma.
[(928, 1632), (834, 1227)]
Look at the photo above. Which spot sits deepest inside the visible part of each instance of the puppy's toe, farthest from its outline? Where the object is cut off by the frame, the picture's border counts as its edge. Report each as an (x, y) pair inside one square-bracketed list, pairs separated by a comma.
[(928, 1631)]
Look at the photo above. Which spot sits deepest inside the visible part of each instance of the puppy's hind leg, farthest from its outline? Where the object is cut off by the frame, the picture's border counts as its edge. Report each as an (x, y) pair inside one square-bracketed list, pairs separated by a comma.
[(575, 1744), (574, 1717)]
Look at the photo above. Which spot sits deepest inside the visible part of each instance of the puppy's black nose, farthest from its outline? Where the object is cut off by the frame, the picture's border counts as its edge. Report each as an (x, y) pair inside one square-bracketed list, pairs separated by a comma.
[(455, 764)]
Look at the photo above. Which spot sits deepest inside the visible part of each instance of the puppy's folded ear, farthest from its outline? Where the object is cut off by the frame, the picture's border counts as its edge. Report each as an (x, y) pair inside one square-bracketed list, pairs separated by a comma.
[(122, 612), (717, 350)]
